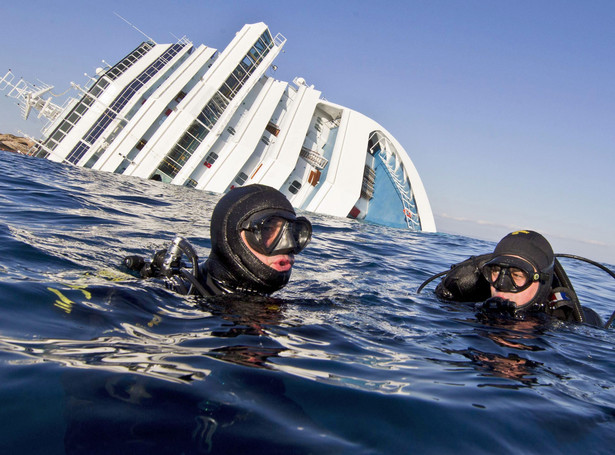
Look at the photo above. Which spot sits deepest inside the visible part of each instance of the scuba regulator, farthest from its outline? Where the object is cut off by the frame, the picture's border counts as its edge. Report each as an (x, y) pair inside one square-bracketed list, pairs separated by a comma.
[(168, 264)]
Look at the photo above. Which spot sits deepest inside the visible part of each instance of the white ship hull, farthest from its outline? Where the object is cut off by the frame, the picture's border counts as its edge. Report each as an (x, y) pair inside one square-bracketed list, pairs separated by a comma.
[(213, 120)]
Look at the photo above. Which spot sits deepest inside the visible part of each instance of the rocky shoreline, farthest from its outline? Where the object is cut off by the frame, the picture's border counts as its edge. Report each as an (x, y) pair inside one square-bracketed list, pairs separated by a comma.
[(16, 144)]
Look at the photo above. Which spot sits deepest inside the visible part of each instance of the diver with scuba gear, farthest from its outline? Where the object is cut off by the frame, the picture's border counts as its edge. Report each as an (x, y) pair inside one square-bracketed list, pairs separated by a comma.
[(255, 235), (521, 278)]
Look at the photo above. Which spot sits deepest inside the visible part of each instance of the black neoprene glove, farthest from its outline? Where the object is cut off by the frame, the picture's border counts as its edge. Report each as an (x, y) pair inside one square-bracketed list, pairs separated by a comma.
[(497, 306), (465, 281)]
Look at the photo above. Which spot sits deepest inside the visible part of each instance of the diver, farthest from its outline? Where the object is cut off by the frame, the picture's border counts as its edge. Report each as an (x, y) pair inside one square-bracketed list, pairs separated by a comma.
[(255, 235), (521, 278)]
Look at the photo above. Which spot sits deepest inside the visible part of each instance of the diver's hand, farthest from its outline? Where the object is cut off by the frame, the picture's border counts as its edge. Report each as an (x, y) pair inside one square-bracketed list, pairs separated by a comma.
[(497, 305), (465, 281)]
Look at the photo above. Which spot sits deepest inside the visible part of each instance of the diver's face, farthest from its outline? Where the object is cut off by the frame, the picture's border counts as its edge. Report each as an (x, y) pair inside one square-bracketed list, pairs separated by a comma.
[(279, 262), (507, 277)]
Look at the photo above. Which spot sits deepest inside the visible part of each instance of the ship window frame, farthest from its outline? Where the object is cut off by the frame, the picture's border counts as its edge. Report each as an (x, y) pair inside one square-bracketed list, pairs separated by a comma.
[(260, 46), (211, 157), (247, 63), (54, 136), (204, 120), (255, 54), (180, 96), (179, 155), (87, 101), (294, 187), (187, 141), (240, 74), (197, 130), (234, 80), (72, 118), (65, 127), (241, 178), (81, 108), (170, 165), (209, 115), (266, 37), (141, 144), (225, 90)]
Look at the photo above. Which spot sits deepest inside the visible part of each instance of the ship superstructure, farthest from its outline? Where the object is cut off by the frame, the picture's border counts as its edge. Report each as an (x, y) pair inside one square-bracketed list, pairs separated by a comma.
[(190, 115)]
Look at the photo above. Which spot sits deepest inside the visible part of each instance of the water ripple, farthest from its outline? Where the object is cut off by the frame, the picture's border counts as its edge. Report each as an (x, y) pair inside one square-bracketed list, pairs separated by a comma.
[(346, 359)]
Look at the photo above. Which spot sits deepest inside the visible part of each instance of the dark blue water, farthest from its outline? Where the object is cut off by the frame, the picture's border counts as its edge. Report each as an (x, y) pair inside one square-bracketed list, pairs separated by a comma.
[(347, 359)]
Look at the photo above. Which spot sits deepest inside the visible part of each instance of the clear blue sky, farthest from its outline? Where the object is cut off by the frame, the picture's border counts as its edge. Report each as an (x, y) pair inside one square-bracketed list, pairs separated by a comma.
[(507, 108)]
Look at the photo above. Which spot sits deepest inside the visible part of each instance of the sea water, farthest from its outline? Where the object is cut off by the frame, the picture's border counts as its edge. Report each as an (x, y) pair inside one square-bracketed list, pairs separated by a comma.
[(347, 359)]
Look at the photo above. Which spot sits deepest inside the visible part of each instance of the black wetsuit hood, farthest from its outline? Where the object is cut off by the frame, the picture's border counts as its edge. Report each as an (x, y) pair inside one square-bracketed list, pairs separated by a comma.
[(231, 265)]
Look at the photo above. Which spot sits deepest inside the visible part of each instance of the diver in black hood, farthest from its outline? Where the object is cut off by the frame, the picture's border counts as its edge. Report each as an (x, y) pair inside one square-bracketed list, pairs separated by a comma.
[(255, 235), (521, 277)]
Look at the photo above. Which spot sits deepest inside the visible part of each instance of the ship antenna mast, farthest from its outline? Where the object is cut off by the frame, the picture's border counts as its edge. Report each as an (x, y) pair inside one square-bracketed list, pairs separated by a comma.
[(133, 26), (30, 97)]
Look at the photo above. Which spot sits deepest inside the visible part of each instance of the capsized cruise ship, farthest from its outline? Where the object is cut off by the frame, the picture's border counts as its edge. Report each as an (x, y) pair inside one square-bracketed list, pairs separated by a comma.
[(214, 120)]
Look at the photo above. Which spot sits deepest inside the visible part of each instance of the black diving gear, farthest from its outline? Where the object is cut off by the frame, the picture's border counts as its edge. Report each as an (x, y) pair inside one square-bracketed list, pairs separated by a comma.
[(170, 265), (471, 280), (273, 232)]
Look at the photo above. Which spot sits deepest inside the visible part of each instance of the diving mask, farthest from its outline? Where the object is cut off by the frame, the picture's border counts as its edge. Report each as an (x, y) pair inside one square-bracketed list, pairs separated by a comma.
[(273, 232), (510, 274)]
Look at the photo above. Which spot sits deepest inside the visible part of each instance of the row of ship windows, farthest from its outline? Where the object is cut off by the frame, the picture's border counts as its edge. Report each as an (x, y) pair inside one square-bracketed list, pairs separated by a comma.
[(241, 178), (196, 132), (194, 135), (71, 119), (81, 108), (86, 101), (129, 60), (179, 156), (101, 84), (122, 99), (171, 165)]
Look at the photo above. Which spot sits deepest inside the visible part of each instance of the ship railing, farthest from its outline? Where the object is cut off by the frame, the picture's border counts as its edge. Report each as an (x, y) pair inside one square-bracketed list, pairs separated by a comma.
[(66, 106), (314, 158), (184, 40), (369, 180), (334, 123), (6, 80), (279, 40), (405, 195)]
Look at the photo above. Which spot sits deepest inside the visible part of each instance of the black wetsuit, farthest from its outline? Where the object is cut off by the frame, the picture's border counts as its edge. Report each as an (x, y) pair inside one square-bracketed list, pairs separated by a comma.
[(564, 311), (206, 286)]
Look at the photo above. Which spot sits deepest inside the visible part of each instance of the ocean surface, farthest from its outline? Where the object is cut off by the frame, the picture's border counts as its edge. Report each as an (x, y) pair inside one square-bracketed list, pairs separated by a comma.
[(347, 359)]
